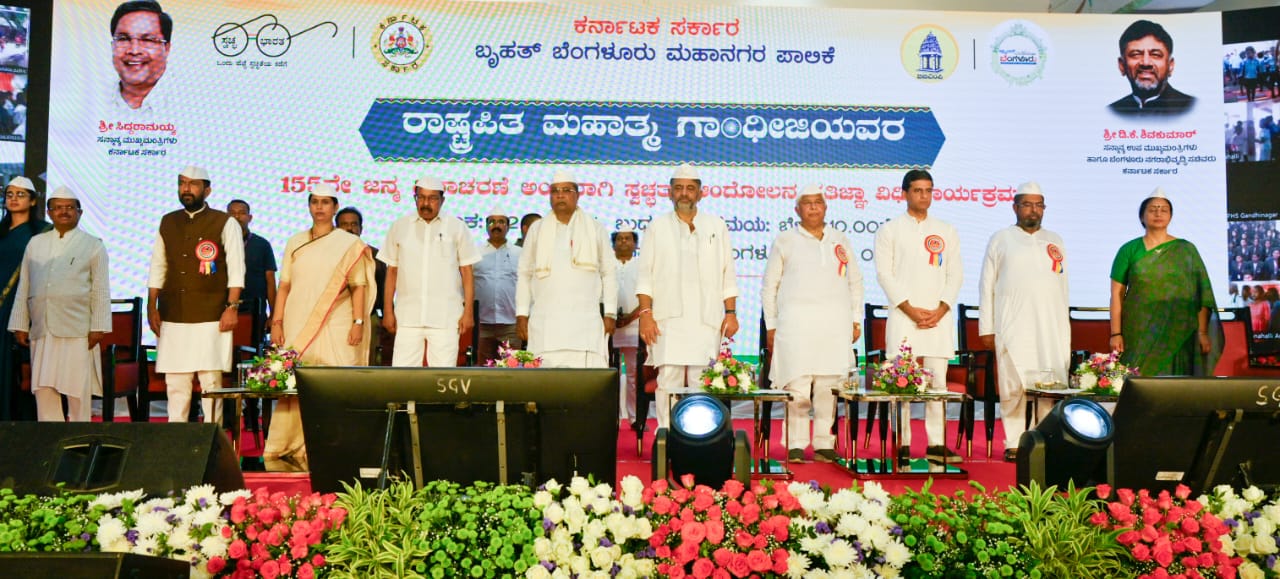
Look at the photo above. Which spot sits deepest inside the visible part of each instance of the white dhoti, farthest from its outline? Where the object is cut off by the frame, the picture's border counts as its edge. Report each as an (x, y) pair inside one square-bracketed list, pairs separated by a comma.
[(439, 345), (65, 367), (573, 359), (812, 393), (184, 350), (935, 421)]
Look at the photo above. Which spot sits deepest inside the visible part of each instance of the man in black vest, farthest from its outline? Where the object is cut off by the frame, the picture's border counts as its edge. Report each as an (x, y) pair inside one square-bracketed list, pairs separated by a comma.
[(197, 274)]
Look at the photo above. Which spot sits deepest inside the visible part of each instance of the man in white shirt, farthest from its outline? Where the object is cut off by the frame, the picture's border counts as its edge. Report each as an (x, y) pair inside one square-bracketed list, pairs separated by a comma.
[(430, 286), (496, 287), (919, 267), (197, 274), (1024, 311), (687, 290), (812, 299), (63, 304), (626, 338), (567, 270)]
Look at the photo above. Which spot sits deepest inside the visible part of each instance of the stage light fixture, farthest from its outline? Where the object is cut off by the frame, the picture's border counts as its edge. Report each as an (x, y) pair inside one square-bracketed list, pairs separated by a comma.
[(1070, 444), (701, 442)]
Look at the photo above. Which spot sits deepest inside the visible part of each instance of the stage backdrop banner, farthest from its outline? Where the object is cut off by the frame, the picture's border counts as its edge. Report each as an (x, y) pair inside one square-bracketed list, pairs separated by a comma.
[(493, 97)]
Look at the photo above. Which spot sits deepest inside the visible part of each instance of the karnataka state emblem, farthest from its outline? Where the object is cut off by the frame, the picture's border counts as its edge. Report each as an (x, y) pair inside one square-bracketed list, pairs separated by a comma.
[(401, 43)]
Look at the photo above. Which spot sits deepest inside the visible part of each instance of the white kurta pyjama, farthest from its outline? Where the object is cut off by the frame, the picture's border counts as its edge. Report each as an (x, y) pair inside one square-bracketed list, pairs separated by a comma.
[(563, 305), (1024, 302), (63, 293), (427, 257), (182, 348)]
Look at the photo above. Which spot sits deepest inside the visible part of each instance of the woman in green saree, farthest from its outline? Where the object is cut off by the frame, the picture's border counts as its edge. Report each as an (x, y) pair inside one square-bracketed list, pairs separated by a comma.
[(1161, 299)]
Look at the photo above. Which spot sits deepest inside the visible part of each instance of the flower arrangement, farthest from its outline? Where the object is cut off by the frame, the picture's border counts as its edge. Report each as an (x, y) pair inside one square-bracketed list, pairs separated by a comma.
[(726, 374), (961, 535), (59, 523), (191, 528), (509, 357), (276, 535), (736, 532), (1102, 374), (1255, 528), (901, 375), (586, 531), (273, 371), (1167, 535), (847, 533)]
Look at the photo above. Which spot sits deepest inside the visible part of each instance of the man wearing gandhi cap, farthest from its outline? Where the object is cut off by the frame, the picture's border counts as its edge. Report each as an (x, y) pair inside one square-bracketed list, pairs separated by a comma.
[(566, 270), (430, 287), (62, 308), (197, 273), (687, 289), (812, 300), (496, 286), (1023, 313), (23, 219)]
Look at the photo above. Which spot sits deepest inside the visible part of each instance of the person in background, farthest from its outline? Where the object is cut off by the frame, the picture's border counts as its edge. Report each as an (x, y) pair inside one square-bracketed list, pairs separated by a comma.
[(381, 343), (23, 219), (626, 336), (525, 223), (495, 282)]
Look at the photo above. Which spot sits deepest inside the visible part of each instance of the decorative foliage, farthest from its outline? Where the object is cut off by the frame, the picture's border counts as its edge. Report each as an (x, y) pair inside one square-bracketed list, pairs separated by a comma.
[(59, 523), (1059, 535), (726, 374), (509, 357), (190, 529), (1102, 374), (901, 375), (1255, 529), (586, 531), (961, 536), (845, 534), (1167, 535), (273, 371)]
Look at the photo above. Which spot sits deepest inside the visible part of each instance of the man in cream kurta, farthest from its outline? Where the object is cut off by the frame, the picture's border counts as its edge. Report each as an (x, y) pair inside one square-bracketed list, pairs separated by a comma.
[(1024, 309), (430, 285), (63, 302), (812, 296), (566, 271), (919, 267), (192, 339), (687, 290)]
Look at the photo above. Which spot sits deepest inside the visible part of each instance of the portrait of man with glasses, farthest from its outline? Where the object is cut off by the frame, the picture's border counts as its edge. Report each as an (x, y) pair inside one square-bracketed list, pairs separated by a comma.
[(140, 33)]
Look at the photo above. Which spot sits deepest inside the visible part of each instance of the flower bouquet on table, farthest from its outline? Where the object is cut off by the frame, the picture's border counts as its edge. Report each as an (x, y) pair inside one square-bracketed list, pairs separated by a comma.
[(509, 357), (901, 375), (273, 371), (726, 374), (1102, 374)]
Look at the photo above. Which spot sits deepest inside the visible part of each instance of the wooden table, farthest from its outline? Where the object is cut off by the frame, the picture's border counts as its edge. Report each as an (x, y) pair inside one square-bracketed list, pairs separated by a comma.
[(761, 465), (887, 465)]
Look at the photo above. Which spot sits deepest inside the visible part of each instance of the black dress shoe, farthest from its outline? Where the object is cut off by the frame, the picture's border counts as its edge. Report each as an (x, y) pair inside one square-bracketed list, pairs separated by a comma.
[(1011, 455)]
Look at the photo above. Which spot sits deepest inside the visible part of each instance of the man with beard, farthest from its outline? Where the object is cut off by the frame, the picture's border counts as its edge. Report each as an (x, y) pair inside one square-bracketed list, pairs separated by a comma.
[(566, 271), (140, 35), (496, 287), (381, 343), (1023, 312), (197, 274), (687, 289), (1146, 59)]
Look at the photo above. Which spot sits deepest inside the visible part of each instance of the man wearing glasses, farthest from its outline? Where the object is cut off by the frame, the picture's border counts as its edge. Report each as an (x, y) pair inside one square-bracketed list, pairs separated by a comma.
[(1023, 314), (430, 287), (140, 32)]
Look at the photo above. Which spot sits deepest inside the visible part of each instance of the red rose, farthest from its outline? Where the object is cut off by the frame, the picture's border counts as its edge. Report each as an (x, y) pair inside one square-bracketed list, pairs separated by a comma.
[(703, 567), (722, 556), (1099, 518), (237, 549), (1125, 496), (750, 514), (1163, 553), (686, 553), (675, 572), (1104, 491), (720, 574), (732, 488), (715, 531), (738, 565), (306, 571), (1182, 492), (1141, 552), (215, 565), (693, 532), (269, 570), (759, 561), (744, 539)]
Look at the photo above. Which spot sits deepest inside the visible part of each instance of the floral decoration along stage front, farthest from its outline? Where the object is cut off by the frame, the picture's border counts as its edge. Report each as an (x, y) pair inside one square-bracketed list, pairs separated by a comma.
[(728, 375), (1102, 374), (273, 371), (509, 357)]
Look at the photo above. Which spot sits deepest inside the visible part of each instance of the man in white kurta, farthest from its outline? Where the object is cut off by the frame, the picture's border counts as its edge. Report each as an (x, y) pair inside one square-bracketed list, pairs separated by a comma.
[(1024, 311), (193, 298), (919, 268), (567, 271), (430, 286), (626, 337), (687, 290), (63, 303), (812, 296)]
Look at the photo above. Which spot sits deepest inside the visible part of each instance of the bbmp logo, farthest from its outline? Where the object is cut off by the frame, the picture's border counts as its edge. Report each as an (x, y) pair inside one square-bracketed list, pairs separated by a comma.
[(930, 53), (401, 43)]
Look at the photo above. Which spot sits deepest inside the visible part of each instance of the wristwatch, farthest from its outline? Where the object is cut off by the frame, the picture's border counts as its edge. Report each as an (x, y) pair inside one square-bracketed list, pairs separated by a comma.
[(235, 304), (359, 321)]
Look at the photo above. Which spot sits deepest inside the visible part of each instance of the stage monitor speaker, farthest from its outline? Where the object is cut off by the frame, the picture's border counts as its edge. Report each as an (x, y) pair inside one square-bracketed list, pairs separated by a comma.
[(92, 566), (94, 457)]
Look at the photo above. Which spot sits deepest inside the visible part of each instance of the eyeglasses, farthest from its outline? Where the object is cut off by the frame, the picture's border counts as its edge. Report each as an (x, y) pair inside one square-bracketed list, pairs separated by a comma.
[(147, 43), (16, 194), (1029, 205), (430, 198)]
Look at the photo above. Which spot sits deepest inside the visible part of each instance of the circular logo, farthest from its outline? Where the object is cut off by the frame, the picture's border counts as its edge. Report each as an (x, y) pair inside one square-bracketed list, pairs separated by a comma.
[(930, 53), (1054, 253), (206, 250), (841, 254), (401, 43), (934, 244), (1018, 52)]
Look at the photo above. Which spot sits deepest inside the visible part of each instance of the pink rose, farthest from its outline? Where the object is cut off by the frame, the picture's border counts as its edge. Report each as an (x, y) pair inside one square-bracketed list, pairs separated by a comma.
[(738, 565), (269, 570), (306, 571), (759, 561), (733, 380), (715, 532), (237, 549), (215, 565), (318, 560), (703, 567), (902, 382)]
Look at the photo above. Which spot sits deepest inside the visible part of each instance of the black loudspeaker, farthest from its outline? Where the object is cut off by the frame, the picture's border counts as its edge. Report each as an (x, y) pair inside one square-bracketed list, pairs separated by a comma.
[(92, 566), (95, 457)]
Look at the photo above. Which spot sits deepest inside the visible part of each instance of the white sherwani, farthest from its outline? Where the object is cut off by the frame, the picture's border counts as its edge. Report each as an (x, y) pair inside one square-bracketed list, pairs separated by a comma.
[(562, 295), (1024, 302), (812, 295), (812, 301), (63, 293)]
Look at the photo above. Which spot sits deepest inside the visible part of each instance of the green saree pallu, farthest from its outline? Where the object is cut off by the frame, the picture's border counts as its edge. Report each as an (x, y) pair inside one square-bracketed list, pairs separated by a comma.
[(1166, 288)]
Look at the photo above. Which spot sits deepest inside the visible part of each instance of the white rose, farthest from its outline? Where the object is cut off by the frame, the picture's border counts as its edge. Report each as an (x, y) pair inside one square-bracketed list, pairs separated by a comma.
[(579, 485), (542, 499), (1253, 494), (542, 548), (718, 382), (563, 552), (537, 572), (1264, 545), (632, 491), (1244, 543), (601, 558), (1248, 570), (1088, 381), (552, 486), (554, 513), (1264, 526)]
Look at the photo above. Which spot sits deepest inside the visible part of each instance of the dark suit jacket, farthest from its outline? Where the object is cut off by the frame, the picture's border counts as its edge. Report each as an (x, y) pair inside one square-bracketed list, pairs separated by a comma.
[(1170, 102)]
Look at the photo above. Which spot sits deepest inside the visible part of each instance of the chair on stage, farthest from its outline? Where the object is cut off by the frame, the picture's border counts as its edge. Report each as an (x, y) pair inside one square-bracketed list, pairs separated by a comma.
[(976, 371), (122, 359), (646, 386), (1090, 332), (875, 317)]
